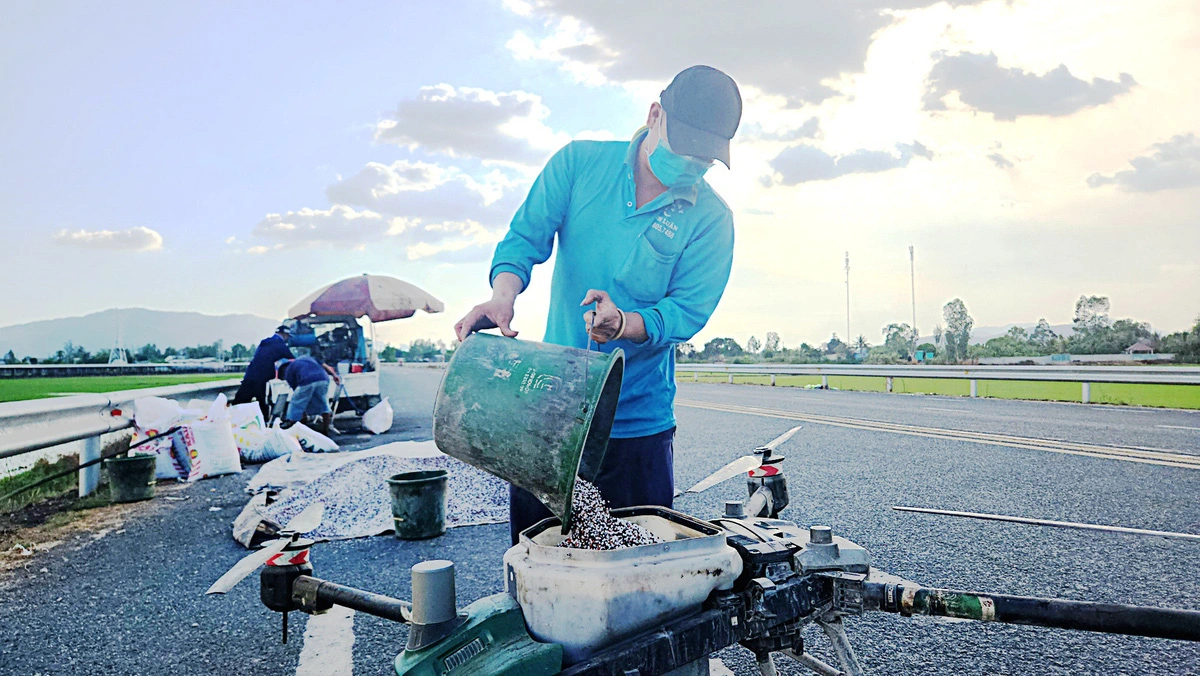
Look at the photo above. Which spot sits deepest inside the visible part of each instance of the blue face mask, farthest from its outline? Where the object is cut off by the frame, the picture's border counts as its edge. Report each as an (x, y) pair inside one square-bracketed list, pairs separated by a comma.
[(675, 170)]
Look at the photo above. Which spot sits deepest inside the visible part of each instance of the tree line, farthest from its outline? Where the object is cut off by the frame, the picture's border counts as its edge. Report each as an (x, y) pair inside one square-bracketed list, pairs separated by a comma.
[(1093, 331), (70, 353)]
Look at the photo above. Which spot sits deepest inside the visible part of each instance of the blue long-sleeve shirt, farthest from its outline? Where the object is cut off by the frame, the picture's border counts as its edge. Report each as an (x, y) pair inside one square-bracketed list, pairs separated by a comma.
[(262, 365), (668, 261)]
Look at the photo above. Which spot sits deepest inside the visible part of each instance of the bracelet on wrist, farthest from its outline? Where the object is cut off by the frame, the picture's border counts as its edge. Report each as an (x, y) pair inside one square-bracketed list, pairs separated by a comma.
[(620, 331)]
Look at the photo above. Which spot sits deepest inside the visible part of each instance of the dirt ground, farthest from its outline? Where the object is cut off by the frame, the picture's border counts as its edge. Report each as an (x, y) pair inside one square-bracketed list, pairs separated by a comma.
[(45, 525)]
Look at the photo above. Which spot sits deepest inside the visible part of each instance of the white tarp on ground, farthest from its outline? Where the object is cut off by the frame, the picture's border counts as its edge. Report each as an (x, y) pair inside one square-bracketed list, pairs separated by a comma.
[(353, 487)]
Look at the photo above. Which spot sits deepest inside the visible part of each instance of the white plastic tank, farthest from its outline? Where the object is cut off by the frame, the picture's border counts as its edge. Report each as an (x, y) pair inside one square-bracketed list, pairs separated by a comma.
[(587, 600)]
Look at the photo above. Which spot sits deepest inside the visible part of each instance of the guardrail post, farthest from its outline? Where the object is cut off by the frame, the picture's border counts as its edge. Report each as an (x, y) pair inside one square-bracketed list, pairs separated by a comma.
[(695, 376), (889, 383), (89, 477), (772, 380), (1087, 393), (824, 382), (730, 378), (974, 388)]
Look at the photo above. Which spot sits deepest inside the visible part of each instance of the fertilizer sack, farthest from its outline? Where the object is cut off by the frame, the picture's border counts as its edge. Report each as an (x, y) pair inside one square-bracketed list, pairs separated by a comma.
[(250, 432), (206, 447), (311, 440), (269, 444), (151, 417), (379, 418)]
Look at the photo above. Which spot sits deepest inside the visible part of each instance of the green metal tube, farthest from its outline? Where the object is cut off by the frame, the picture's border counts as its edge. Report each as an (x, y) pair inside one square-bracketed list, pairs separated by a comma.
[(1109, 618)]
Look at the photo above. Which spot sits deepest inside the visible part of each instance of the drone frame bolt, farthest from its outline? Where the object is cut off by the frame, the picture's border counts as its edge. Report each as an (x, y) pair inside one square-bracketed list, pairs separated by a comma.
[(735, 509), (820, 535)]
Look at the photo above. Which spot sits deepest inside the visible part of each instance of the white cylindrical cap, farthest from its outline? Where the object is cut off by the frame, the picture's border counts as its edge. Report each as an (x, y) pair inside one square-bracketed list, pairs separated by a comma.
[(434, 599)]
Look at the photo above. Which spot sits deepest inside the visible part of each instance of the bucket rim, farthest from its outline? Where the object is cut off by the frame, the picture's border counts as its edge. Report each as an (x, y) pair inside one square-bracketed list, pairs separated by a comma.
[(418, 476), (126, 458)]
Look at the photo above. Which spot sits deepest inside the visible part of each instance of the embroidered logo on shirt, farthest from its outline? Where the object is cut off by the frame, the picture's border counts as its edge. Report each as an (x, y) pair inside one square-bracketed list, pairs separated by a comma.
[(665, 225)]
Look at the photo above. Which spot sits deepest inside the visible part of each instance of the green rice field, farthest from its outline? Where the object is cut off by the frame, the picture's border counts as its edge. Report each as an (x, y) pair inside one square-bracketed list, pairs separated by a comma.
[(1129, 394), (20, 389)]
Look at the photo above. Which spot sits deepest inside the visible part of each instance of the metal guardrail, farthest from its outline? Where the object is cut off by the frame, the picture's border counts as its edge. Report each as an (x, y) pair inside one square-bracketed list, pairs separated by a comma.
[(1084, 375), (69, 370), (28, 426)]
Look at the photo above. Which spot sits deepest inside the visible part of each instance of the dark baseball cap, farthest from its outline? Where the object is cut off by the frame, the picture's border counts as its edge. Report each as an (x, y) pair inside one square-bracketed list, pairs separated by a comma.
[(703, 107), (283, 328)]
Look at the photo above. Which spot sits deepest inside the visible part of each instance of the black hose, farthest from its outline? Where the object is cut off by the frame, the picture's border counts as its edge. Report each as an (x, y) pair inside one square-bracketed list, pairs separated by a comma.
[(89, 463)]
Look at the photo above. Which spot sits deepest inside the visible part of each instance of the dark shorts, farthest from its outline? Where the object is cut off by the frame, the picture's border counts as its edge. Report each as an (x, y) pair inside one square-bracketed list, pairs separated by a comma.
[(636, 471)]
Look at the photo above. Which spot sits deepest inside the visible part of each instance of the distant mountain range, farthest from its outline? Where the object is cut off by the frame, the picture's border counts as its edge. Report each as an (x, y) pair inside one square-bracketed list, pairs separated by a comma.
[(139, 326)]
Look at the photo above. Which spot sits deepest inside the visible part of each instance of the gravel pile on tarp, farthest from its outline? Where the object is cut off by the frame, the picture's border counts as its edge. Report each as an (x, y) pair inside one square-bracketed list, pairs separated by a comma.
[(353, 487), (594, 527), (358, 503)]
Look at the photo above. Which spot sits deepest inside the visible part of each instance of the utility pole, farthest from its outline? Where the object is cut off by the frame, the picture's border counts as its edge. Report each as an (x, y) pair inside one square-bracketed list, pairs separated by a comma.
[(848, 338), (912, 269)]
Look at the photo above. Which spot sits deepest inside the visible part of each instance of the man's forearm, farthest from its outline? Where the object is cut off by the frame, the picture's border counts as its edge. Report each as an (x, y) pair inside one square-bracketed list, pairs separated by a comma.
[(635, 328), (507, 286)]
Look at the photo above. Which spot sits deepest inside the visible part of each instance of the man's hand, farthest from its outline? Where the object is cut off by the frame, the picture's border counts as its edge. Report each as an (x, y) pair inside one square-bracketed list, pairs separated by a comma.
[(495, 313), (606, 320)]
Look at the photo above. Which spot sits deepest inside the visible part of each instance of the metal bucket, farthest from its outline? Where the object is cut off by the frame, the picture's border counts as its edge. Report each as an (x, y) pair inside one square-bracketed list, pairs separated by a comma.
[(533, 414), (419, 504), (131, 478)]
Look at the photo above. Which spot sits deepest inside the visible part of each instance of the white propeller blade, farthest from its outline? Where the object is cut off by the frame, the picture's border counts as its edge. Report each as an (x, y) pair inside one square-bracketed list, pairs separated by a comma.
[(742, 464), (778, 441), (246, 566), (306, 520)]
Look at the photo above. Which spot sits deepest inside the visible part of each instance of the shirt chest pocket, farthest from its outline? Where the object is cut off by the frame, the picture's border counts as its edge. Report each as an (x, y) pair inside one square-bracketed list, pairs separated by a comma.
[(646, 272)]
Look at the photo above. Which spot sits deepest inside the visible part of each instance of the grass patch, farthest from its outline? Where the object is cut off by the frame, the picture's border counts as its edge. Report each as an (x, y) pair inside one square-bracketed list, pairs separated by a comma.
[(40, 470), (55, 503), (1173, 396), (21, 389), (1129, 394)]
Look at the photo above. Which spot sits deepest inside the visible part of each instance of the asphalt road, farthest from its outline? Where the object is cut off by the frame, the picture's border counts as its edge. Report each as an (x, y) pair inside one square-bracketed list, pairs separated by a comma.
[(131, 601)]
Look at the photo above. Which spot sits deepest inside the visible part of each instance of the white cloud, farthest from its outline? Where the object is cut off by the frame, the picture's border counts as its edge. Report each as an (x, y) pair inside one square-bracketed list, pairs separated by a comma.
[(338, 226), (430, 193), (1173, 164), (505, 127), (982, 84), (131, 239), (801, 163)]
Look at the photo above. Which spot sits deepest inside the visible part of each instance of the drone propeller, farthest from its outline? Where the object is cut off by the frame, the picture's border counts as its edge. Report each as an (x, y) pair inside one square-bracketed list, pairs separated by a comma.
[(305, 521), (742, 464)]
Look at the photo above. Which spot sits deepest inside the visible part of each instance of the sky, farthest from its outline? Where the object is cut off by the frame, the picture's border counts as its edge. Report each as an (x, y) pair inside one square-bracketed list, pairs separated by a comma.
[(234, 157)]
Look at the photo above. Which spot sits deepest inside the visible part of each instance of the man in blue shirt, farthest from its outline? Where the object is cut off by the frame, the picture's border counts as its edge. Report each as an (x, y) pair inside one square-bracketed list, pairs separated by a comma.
[(643, 237), (262, 368), (309, 380)]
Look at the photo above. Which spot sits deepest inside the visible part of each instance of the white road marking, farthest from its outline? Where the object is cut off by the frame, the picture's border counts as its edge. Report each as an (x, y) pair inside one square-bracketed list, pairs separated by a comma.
[(952, 410), (1178, 427), (328, 644), (717, 668)]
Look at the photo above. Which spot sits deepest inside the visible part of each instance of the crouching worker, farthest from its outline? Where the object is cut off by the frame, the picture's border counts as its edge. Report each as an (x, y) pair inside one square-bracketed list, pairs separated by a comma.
[(309, 380)]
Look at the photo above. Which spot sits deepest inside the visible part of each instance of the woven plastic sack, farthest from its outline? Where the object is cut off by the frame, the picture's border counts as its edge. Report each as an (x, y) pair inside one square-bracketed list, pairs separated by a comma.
[(379, 418), (311, 440)]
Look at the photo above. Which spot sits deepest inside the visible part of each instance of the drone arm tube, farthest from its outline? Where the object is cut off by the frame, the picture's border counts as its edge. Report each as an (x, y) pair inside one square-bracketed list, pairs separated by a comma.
[(1110, 618), (315, 595)]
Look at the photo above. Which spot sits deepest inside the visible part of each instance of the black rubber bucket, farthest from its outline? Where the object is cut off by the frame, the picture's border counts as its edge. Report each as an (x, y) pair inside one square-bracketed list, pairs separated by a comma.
[(419, 503), (130, 478)]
